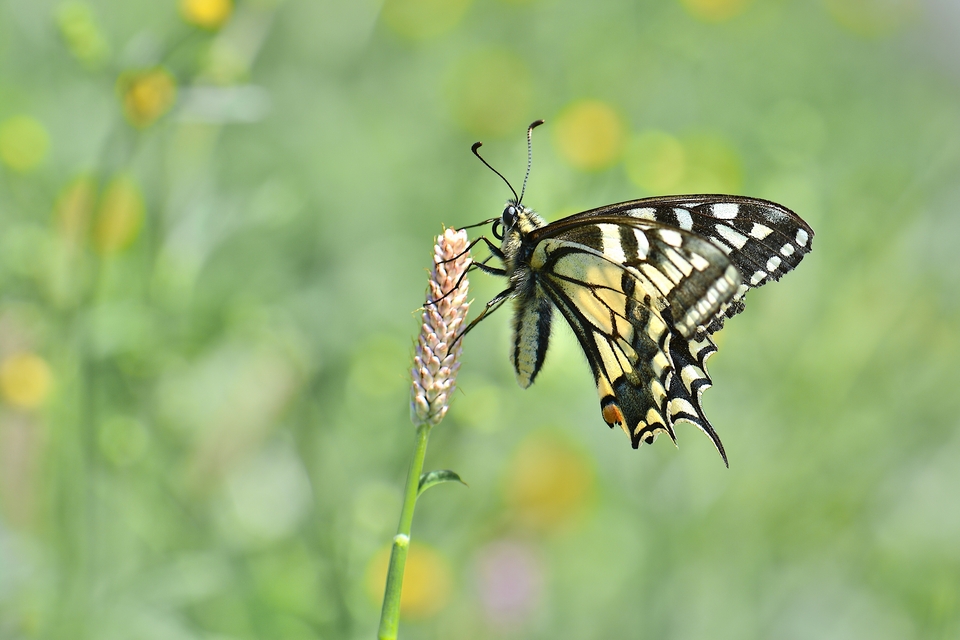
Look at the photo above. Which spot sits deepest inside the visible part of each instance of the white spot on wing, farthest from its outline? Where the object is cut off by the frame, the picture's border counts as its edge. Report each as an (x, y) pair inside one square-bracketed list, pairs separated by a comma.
[(723, 246), (679, 262), (643, 245), (758, 277), (690, 374), (725, 210), (660, 363), (683, 219), (698, 261), (644, 213), (681, 405), (612, 249), (760, 231), (773, 263), (802, 237), (671, 271), (787, 250), (659, 280), (671, 237), (731, 235)]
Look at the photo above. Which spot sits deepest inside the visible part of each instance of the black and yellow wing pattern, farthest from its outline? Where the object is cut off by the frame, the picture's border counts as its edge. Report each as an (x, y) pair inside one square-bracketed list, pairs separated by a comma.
[(643, 284)]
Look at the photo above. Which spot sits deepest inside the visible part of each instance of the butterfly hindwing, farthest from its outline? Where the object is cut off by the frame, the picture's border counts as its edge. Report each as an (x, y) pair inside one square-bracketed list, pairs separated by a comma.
[(635, 294)]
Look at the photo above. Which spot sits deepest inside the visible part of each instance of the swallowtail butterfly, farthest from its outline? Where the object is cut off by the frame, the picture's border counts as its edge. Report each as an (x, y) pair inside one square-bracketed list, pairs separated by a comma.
[(643, 284)]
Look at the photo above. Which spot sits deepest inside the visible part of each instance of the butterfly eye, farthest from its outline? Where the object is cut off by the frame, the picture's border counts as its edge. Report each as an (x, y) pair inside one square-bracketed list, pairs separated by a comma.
[(497, 230), (509, 216)]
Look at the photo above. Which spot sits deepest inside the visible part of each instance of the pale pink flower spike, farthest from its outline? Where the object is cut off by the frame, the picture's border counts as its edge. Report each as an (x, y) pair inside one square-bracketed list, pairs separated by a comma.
[(435, 364)]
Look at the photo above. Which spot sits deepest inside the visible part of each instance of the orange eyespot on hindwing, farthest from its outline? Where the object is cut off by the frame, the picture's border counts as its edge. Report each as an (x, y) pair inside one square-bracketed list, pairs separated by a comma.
[(611, 413)]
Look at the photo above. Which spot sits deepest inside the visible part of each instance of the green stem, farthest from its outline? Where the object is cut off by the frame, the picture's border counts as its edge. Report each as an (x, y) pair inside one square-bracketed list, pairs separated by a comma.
[(390, 615)]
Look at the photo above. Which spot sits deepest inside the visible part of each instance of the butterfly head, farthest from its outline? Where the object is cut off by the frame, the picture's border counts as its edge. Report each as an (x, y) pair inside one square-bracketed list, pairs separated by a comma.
[(510, 213), (515, 219)]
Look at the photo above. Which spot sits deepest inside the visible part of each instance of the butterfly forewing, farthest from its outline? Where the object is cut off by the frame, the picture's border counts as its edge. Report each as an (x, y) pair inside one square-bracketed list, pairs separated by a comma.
[(762, 239)]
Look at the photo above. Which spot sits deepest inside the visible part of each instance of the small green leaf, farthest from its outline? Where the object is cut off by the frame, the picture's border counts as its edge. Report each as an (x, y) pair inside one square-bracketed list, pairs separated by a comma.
[(431, 478)]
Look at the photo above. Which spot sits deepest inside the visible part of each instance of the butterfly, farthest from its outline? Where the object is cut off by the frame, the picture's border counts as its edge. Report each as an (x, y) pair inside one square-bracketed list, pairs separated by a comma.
[(643, 284)]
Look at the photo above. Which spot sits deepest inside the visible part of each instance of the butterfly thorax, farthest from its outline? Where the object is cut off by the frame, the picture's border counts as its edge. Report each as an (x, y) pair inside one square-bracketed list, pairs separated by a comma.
[(518, 222)]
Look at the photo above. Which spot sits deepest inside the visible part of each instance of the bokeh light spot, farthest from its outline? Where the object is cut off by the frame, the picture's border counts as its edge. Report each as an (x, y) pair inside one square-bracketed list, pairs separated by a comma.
[(714, 10), (25, 380), (146, 95), (589, 134), (713, 165), (872, 18), (655, 161), (269, 495), (80, 32), (510, 582), (427, 580), (489, 92), (421, 19), (119, 217), (547, 481), (23, 143), (208, 14)]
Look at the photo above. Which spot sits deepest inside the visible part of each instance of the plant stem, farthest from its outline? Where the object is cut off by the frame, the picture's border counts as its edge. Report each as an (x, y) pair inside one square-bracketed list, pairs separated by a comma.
[(390, 615)]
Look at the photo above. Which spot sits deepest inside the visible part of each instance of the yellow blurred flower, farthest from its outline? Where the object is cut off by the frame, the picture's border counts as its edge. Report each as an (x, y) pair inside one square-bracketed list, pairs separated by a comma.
[(119, 216), (489, 92), (427, 581), (23, 143), (74, 208), (208, 14), (547, 482), (25, 380), (146, 95), (421, 19), (655, 161), (589, 134), (714, 10)]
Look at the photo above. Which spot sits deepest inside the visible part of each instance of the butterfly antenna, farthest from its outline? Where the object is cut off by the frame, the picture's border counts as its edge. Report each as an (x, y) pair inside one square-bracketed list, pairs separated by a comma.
[(529, 156), (477, 145), (479, 224)]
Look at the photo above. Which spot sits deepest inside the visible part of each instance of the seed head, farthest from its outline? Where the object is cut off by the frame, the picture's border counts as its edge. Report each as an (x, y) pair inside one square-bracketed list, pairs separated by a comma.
[(435, 363)]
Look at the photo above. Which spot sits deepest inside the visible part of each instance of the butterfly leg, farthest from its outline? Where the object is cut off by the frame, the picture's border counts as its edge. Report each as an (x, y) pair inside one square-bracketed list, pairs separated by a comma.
[(494, 249), (482, 266), (490, 307)]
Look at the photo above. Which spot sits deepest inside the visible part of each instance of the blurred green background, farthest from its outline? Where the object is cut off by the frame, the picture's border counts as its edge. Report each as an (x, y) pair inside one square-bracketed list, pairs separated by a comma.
[(215, 225)]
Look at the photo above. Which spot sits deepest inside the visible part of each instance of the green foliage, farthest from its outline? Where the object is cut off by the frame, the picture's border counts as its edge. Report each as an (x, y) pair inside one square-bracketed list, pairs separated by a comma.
[(433, 478), (215, 221)]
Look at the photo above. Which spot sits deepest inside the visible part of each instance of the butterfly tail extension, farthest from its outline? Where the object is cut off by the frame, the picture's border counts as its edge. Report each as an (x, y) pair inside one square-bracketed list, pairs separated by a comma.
[(687, 384)]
